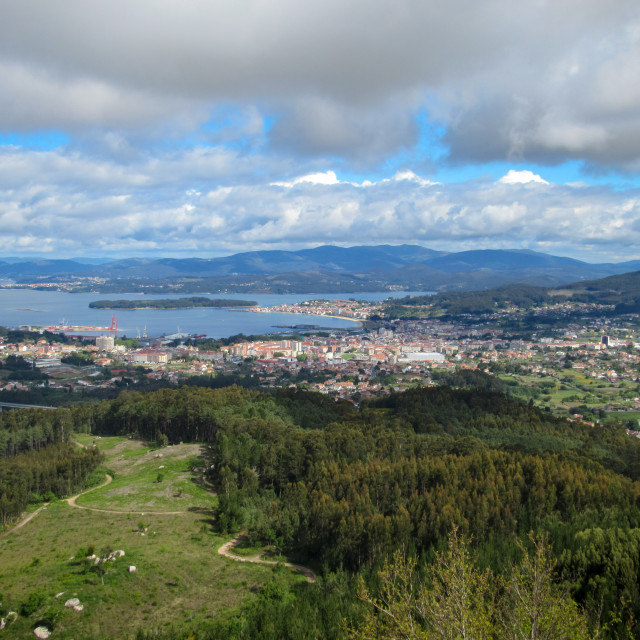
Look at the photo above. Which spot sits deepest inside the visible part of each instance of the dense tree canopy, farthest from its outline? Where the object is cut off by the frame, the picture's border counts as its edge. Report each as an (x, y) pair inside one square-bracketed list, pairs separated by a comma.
[(344, 488)]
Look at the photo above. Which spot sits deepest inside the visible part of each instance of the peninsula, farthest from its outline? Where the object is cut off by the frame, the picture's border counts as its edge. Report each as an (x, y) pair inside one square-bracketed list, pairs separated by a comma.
[(171, 303)]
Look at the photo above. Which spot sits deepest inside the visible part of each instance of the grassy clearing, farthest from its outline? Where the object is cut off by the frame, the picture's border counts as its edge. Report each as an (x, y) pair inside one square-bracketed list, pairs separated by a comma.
[(180, 578), (152, 480), (179, 575), (106, 444), (624, 415)]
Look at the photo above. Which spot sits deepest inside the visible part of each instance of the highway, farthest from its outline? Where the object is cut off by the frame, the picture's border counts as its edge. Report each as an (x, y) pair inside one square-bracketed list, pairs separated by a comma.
[(15, 405)]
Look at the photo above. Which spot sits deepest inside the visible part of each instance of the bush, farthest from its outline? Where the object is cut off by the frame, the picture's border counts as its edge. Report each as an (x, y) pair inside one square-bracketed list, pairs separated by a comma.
[(32, 604), (49, 618)]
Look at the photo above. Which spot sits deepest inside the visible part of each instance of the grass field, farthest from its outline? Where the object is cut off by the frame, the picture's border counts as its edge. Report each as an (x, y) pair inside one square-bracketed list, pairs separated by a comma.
[(180, 579), (151, 480)]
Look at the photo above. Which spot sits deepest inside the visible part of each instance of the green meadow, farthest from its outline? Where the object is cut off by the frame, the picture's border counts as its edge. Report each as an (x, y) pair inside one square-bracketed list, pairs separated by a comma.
[(164, 526)]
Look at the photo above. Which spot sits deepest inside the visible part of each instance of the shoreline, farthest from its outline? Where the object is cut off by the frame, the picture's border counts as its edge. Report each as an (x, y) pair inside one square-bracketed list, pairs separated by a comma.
[(359, 321), (230, 308)]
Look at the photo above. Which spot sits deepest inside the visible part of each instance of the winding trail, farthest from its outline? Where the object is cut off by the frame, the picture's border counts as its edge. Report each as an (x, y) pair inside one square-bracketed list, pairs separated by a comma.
[(72, 499), (72, 502), (24, 521), (225, 550)]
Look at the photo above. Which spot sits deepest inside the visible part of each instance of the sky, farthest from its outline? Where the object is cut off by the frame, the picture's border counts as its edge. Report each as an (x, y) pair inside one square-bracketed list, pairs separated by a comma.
[(184, 128)]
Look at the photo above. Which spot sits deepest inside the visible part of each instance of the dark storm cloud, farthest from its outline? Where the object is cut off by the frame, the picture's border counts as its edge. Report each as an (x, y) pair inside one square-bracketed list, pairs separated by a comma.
[(540, 80)]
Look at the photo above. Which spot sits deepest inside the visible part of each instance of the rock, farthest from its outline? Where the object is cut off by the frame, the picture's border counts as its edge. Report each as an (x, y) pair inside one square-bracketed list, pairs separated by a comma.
[(3, 623), (72, 602), (42, 632), (132, 568), (78, 607), (161, 466), (59, 594)]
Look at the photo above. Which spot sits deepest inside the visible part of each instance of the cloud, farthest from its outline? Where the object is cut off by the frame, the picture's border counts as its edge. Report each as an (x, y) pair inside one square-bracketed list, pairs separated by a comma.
[(363, 135), (540, 82), (206, 128), (326, 178), (521, 177), (196, 202)]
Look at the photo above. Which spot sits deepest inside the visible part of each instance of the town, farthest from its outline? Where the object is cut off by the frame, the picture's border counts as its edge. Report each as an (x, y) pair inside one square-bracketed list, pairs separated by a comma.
[(587, 369)]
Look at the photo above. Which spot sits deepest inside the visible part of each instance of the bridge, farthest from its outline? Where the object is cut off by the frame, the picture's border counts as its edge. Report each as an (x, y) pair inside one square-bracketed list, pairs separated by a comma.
[(15, 405)]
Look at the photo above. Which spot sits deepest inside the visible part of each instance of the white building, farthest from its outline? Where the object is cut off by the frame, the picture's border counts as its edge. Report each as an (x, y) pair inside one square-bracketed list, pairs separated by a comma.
[(421, 357), (105, 343), (158, 357)]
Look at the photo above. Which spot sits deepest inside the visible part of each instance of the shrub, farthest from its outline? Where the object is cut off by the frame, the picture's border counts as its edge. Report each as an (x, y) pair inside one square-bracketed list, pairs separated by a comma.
[(32, 604)]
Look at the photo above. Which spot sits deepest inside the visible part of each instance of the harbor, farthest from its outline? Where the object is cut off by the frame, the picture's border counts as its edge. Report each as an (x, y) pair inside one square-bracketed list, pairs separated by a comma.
[(74, 329)]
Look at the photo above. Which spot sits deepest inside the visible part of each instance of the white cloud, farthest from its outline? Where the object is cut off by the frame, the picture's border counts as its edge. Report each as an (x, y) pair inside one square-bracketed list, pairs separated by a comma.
[(410, 176), (189, 203), (325, 178), (209, 127), (521, 177)]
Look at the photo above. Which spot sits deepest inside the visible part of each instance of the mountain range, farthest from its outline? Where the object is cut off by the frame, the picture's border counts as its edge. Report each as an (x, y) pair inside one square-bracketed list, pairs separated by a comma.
[(386, 266)]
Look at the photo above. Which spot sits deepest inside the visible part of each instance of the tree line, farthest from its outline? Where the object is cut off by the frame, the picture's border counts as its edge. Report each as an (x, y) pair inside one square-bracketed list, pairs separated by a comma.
[(27, 429), (51, 472), (343, 488)]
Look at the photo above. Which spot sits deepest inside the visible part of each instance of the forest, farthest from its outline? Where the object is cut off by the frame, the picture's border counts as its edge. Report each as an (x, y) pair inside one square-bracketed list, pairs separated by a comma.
[(342, 488), (621, 292), (171, 303), (455, 303), (38, 460), (345, 489)]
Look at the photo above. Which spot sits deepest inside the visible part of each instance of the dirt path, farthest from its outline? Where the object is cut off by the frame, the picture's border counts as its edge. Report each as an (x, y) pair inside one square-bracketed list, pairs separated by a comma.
[(225, 550), (23, 521), (72, 501)]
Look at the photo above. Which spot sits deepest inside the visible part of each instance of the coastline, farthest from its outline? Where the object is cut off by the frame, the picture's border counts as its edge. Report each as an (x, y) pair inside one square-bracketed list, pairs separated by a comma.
[(230, 308), (357, 320), (308, 315)]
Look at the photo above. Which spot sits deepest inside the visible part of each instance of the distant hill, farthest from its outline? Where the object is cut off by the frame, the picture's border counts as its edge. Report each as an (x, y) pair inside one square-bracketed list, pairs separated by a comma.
[(43, 268), (622, 291), (331, 269), (325, 258), (501, 260)]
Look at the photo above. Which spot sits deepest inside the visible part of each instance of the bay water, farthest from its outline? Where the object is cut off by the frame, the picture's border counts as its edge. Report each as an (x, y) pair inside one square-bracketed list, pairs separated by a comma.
[(45, 308)]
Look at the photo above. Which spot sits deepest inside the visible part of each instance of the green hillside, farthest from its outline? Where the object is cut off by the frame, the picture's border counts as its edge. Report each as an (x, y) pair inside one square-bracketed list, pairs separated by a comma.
[(337, 489), (620, 291)]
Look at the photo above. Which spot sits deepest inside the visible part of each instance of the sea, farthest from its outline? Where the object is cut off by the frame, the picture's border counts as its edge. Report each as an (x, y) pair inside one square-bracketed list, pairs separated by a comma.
[(47, 308)]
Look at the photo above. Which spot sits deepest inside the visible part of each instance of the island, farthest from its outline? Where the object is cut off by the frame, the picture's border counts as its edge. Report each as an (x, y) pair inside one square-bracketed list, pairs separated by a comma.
[(171, 303)]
